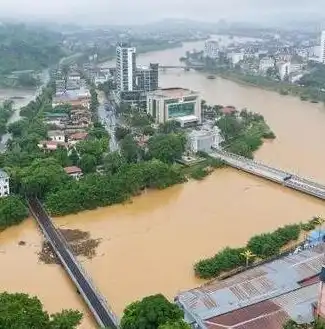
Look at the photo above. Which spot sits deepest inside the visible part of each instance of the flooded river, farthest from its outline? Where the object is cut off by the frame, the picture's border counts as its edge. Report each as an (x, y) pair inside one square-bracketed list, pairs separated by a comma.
[(150, 245)]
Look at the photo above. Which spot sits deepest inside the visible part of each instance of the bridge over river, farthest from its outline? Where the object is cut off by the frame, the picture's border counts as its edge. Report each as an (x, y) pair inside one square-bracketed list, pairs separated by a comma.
[(96, 303), (273, 174)]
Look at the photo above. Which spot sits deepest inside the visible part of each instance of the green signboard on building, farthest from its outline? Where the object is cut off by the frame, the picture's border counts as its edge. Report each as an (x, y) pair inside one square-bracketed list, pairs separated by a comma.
[(181, 109)]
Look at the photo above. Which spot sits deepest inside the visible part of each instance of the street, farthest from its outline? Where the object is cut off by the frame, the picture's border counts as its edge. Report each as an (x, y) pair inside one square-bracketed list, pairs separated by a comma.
[(107, 116)]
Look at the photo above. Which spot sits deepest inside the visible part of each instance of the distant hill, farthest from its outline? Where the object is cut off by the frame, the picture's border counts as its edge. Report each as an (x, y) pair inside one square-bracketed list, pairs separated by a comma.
[(28, 48)]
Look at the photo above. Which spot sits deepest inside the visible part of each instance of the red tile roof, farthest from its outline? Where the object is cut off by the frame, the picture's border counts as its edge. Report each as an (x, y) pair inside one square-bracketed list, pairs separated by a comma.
[(79, 136), (228, 110), (73, 170)]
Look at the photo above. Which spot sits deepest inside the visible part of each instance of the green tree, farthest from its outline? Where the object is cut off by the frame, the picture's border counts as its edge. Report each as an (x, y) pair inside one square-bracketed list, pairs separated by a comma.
[(121, 132), (113, 161), (150, 313), (17, 128), (66, 319), (95, 147), (98, 131), (19, 311), (170, 126), (87, 163), (167, 148), (42, 176), (264, 245), (12, 211), (129, 149), (74, 157), (230, 127), (61, 155), (175, 325)]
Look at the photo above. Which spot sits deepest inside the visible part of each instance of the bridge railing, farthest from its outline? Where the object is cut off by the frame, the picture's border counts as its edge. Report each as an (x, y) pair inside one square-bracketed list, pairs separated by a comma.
[(67, 248), (88, 278)]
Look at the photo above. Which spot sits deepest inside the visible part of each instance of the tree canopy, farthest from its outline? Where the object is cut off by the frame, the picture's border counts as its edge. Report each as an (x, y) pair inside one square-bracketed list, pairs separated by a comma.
[(167, 148), (12, 211), (150, 313), (20, 311)]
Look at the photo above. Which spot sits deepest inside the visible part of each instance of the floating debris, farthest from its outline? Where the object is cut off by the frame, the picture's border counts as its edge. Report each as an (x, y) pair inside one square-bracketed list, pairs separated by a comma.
[(79, 241)]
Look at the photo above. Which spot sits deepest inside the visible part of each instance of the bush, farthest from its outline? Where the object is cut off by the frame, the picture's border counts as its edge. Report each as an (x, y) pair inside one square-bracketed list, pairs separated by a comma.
[(263, 246), (199, 173), (226, 260)]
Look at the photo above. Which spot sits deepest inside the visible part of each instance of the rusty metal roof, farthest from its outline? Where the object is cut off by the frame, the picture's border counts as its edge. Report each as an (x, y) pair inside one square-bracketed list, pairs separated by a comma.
[(265, 314), (253, 286)]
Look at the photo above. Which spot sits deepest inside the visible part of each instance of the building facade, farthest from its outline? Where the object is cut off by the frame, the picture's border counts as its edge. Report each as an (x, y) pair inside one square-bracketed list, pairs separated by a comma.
[(4, 184), (265, 64), (147, 78), (322, 48), (182, 105), (211, 49), (125, 67), (202, 140)]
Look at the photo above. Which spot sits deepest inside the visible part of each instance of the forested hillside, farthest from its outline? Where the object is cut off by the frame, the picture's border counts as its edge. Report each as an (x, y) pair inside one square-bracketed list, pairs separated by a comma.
[(27, 48)]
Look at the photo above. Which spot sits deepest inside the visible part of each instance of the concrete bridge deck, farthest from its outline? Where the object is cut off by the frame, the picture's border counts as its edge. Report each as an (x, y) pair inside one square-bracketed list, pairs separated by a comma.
[(276, 175), (96, 303)]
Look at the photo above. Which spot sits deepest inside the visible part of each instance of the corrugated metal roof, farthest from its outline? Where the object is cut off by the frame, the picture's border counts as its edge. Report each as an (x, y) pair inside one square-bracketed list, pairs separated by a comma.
[(298, 303), (265, 314), (252, 286)]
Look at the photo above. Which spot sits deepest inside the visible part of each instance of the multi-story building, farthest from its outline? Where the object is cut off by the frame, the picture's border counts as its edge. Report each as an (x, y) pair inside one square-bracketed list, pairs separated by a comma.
[(4, 184), (265, 64), (211, 49), (284, 70), (322, 48), (147, 78), (203, 140), (235, 58), (182, 105), (125, 67)]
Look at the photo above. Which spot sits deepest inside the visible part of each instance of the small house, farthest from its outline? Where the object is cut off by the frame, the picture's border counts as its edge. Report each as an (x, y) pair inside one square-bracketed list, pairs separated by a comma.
[(74, 172)]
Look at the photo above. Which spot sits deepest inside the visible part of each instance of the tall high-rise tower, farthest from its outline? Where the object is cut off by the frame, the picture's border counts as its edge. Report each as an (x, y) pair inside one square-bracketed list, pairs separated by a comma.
[(125, 67), (322, 47)]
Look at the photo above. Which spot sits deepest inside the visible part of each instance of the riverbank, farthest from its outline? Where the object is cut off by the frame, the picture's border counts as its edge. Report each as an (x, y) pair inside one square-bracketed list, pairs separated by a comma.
[(312, 95), (259, 249), (145, 49)]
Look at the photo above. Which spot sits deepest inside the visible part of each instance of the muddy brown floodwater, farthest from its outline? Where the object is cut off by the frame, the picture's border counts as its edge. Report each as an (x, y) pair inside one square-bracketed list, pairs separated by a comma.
[(151, 244)]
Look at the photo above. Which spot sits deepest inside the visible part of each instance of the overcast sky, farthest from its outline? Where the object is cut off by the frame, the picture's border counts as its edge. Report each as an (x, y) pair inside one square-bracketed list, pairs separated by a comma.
[(143, 11)]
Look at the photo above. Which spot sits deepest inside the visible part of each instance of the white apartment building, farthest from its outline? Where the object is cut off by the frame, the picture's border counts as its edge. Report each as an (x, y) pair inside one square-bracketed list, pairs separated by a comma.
[(56, 135), (4, 184), (203, 140), (265, 64), (211, 49), (125, 67), (182, 105), (235, 58), (322, 48), (288, 68), (284, 70)]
